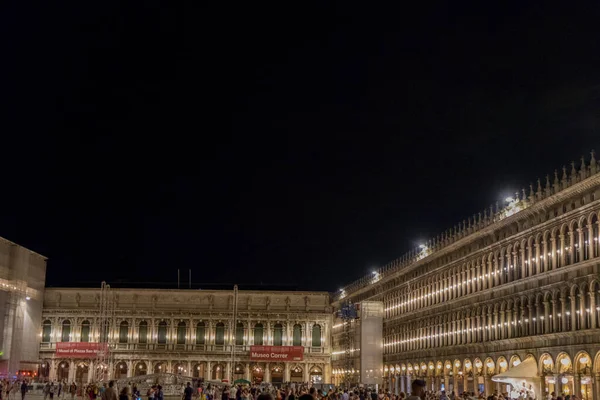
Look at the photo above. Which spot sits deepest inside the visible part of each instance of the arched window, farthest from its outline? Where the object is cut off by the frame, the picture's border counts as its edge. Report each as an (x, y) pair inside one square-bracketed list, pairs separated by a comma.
[(278, 335), (181, 330), (220, 334), (123, 332), (297, 337), (239, 334), (200, 333), (85, 331), (258, 334), (46, 331), (143, 332), (162, 332), (568, 313), (316, 336), (66, 331)]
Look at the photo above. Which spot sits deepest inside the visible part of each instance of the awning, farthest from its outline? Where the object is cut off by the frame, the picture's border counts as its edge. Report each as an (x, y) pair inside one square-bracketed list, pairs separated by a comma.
[(526, 370), (523, 378)]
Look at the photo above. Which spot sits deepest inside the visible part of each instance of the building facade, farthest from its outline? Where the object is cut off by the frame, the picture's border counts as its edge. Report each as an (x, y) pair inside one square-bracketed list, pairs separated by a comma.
[(22, 280), (514, 283), (187, 332)]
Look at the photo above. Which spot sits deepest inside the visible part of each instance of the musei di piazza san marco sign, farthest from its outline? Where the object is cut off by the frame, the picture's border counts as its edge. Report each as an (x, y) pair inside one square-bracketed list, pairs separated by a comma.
[(508, 299)]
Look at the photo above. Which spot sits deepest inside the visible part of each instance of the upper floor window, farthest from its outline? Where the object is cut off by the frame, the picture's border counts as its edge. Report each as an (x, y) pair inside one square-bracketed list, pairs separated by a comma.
[(123, 332), (162, 332), (239, 334), (181, 330), (200, 333), (278, 335), (297, 337), (316, 336), (85, 331), (46, 331), (66, 331), (143, 332), (220, 334), (258, 334)]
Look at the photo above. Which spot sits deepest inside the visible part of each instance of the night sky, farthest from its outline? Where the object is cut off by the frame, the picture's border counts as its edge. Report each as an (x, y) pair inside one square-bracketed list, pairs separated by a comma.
[(297, 144)]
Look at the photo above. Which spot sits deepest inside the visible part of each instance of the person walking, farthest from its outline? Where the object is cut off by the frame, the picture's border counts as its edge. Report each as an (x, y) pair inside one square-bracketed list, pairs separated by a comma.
[(110, 393), (46, 390), (23, 389)]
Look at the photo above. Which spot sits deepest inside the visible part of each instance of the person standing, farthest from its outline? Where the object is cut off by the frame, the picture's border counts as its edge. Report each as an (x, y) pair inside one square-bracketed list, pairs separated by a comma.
[(188, 392), (73, 390), (418, 390)]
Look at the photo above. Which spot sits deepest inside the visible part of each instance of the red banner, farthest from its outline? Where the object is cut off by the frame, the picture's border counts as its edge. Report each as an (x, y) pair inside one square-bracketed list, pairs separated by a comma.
[(276, 353), (80, 349)]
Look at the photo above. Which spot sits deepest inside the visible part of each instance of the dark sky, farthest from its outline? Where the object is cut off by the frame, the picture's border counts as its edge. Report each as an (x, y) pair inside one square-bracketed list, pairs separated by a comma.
[(288, 143)]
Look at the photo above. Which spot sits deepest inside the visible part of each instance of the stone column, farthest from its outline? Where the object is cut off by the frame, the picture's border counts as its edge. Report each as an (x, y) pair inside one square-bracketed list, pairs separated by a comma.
[(525, 261), (267, 375), (228, 370), (326, 372), (590, 244), (247, 372), (596, 386), (546, 258), (305, 334), (208, 371), (495, 327), (553, 256), (71, 375), (577, 382), (91, 371), (305, 372), (286, 372), (546, 317), (582, 315), (580, 248), (573, 314), (593, 309)]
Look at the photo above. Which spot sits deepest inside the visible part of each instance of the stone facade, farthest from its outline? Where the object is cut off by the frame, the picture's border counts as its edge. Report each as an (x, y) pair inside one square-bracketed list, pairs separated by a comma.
[(189, 332), (22, 279), (509, 284)]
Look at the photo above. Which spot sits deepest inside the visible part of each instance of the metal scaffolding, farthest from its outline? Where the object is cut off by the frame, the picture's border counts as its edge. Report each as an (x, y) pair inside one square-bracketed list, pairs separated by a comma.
[(348, 314), (106, 315), (234, 330)]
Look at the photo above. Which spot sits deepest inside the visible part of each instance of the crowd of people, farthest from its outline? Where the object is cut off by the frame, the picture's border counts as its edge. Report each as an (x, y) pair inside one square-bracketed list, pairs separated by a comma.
[(9, 390), (296, 391)]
